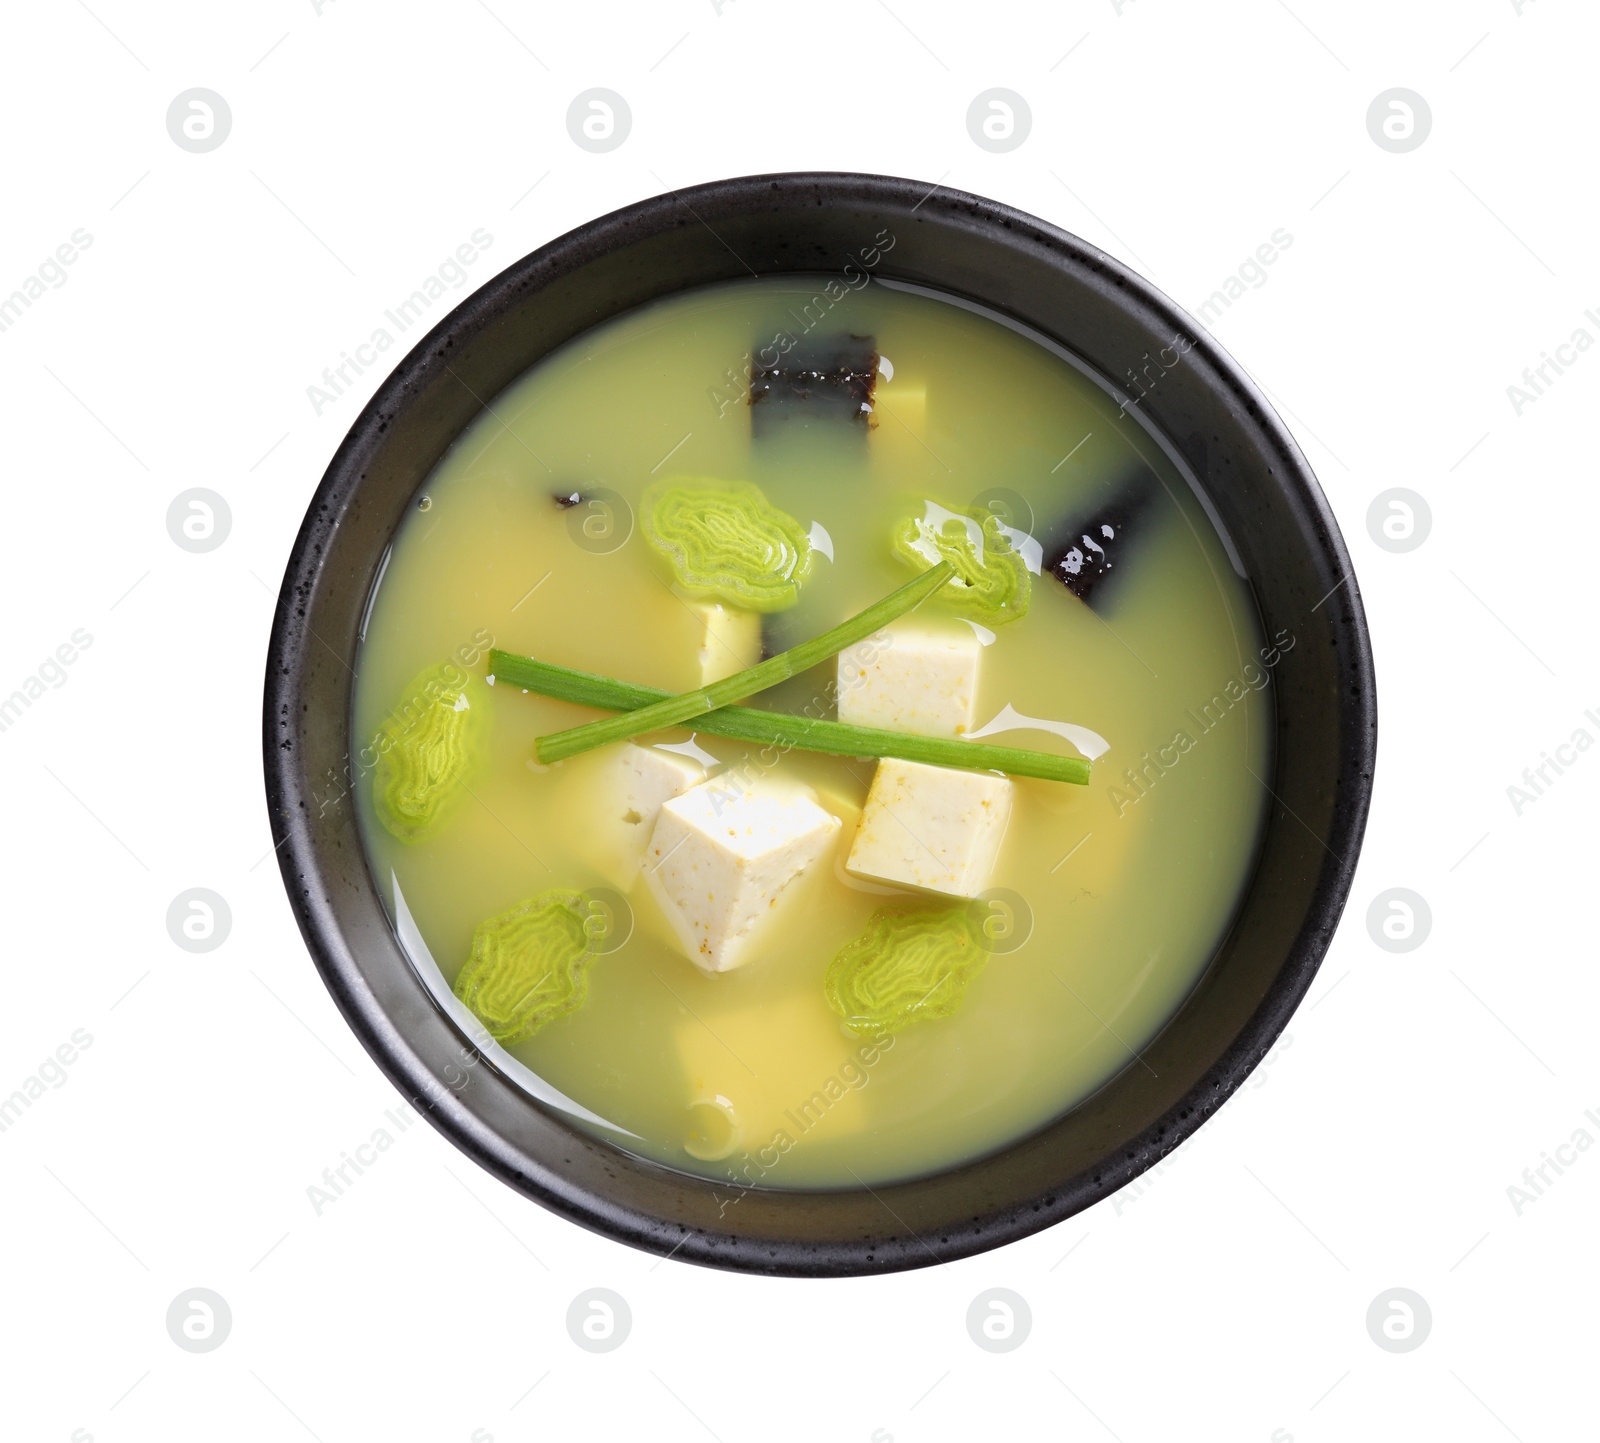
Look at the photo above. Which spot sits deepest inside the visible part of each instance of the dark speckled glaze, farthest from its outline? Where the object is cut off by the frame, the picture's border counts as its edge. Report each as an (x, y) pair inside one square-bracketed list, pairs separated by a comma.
[(1268, 502)]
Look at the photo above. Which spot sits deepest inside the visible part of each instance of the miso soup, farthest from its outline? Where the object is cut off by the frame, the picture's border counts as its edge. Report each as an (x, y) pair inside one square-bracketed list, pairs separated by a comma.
[(863, 921)]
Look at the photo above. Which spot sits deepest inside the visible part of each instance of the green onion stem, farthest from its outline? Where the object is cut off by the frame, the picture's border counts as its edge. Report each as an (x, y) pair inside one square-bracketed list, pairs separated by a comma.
[(672, 710), (777, 729)]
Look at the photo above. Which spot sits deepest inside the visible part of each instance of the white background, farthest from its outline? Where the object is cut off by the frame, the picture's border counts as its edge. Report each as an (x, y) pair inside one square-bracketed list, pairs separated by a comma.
[(1224, 1298)]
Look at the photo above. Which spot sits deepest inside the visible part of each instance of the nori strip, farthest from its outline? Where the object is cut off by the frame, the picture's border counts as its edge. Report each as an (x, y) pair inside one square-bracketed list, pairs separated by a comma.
[(1086, 554), (828, 378)]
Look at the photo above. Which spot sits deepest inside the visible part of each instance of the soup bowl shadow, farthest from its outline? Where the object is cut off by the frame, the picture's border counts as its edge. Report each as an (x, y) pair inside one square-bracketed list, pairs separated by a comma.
[(1212, 417)]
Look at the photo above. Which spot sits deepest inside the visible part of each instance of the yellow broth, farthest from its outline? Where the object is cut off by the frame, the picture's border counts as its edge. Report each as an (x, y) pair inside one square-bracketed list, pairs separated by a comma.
[(1116, 894)]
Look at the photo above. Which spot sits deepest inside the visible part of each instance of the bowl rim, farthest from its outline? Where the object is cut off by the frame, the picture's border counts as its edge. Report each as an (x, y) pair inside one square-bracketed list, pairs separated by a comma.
[(385, 1040)]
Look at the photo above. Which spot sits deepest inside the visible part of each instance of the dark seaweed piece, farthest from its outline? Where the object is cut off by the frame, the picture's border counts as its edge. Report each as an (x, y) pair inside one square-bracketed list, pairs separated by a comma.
[(1092, 548), (566, 500), (825, 378)]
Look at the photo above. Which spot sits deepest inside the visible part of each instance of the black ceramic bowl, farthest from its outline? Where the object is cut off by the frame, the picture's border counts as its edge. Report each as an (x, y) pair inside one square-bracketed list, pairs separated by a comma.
[(1266, 498)]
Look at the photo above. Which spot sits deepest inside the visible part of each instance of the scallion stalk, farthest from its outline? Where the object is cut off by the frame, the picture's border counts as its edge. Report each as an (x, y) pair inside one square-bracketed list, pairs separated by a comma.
[(673, 710), (749, 724)]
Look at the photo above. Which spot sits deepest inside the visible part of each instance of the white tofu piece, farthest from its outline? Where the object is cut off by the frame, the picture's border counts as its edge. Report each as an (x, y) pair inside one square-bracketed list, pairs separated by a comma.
[(937, 829), (846, 806), (622, 790), (720, 856), (730, 641), (908, 678)]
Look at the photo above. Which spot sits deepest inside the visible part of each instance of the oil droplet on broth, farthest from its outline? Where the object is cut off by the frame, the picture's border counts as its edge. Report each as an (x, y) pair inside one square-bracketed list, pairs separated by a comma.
[(713, 1132)]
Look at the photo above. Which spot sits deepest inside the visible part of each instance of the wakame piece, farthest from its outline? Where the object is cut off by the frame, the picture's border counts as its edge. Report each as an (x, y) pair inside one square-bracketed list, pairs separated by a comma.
[(776, 729), (1088, 553), (723, 539), (991, 583), (426, 749), (758, 678), (906, 965), (827, 379), (528, 966)]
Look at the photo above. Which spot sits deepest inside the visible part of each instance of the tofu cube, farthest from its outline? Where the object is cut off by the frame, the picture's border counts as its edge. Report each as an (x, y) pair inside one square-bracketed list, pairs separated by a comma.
[(720, 856), (933, 828), (907, 678), (730, 640), (621, 790)]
